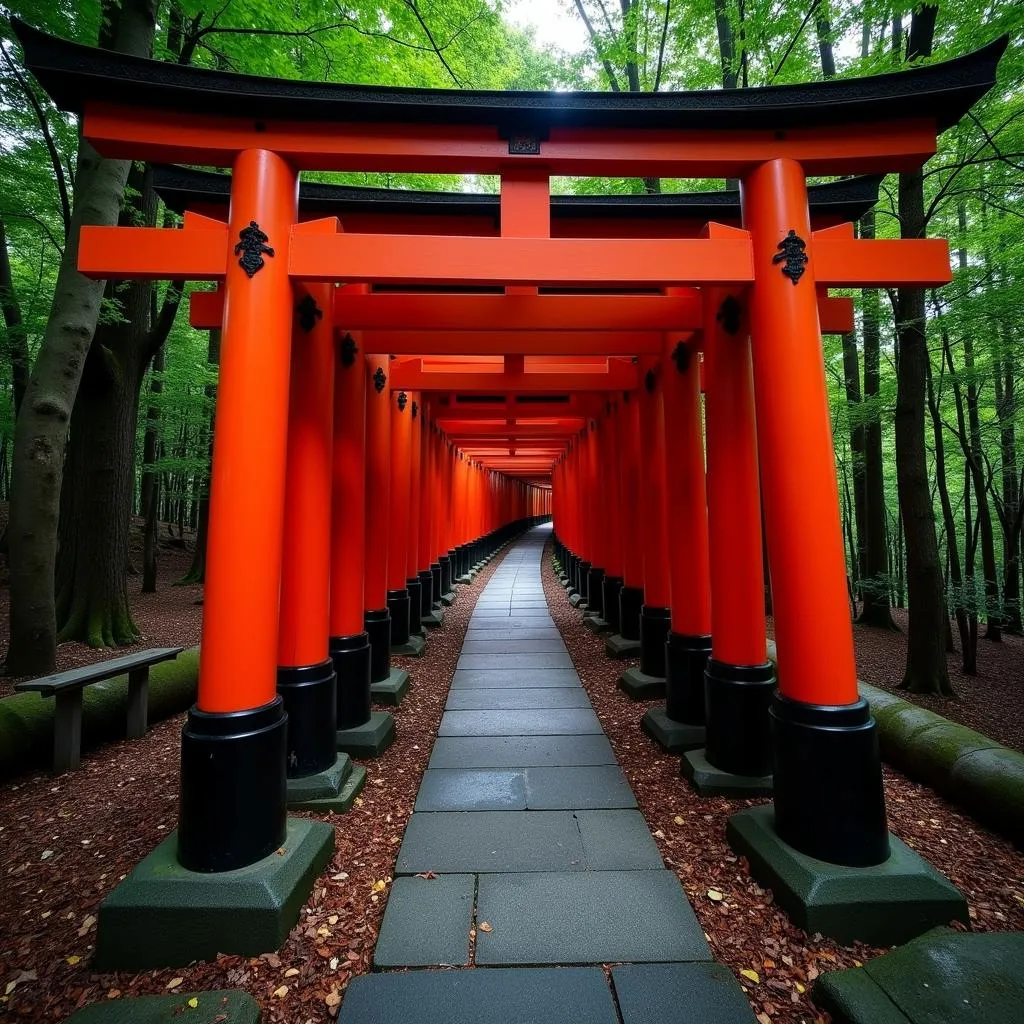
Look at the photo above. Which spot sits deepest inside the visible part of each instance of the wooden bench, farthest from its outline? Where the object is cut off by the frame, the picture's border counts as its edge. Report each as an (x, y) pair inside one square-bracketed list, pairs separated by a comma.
[(67, 688)]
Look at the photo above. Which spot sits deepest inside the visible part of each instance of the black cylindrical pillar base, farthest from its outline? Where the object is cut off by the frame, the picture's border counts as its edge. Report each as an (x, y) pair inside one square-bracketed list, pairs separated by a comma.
[(829, 801), (435, 575), (570, 569), (595, 594), (233, 787), (736, 701), (352, 656), (398, 605), (655, 623), (308, 692), (412, 585), (582, 579), (446, 574), (686, 657), (631, 600), (426, 579), (610, 587), (378, 628)]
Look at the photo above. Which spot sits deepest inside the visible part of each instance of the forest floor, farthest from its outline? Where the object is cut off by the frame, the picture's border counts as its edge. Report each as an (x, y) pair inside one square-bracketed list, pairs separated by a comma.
[(65, 843)]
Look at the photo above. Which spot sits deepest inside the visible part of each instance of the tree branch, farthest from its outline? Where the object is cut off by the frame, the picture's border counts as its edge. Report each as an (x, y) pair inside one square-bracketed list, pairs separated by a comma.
[(613, 82), (661, 48), (411, 4)]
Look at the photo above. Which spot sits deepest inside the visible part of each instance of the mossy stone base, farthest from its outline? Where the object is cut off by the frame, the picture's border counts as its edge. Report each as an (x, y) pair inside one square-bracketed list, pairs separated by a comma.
[(465, 578), (596, 624), (575, 600), (391, 690), (942, 976), (164, 916), (413, 649), (448, 599), (708, 780), (673, 737), (371, 738), (434, 619), (884, 905), (228, 1005), (332, 790), (637, 685), (619, 647)]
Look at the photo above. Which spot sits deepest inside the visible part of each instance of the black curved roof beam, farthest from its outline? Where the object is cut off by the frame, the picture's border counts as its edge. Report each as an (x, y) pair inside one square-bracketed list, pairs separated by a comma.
[(74, 75), (183, 187)]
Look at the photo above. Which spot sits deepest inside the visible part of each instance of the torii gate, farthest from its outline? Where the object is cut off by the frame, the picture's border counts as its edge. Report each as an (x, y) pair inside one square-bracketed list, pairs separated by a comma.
[(766, 274)]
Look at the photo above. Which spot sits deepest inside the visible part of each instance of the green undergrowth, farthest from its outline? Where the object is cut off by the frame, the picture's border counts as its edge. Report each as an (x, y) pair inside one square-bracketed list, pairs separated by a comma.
[(985, 778), (26, 719)]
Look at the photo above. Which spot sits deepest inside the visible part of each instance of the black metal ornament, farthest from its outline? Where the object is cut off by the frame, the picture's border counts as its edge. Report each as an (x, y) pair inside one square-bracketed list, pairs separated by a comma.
[(403, 400), (309, 313), (681, 357), (415, 408), (349, 350), (793, 255), (380, 378), (649, 381), (729, 314), (252, 247)]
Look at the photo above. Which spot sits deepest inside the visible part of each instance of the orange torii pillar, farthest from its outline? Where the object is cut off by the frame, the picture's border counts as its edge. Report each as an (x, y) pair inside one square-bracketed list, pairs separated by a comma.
[(648, 679), (437, 465), (829, 801), (399, 516), (582, 481), (626, 643), (412, 579), (739, 679), (597, 463), (233, 746), (613, 557), (445, 518), (679, 725), (424, 551), (573, 502), (305, 674)]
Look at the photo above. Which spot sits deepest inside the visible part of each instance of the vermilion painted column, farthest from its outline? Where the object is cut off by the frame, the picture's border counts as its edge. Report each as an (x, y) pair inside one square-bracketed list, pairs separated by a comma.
[(349, 641), (738, 680), (613, 568), (305, 675), (412, 580), (437, 457), (689, 642), (424, 554), (399, 517), (377, 617), (829, 801), (238, 714), (631, 596), (446, 516), (655, 614), (599, 518)]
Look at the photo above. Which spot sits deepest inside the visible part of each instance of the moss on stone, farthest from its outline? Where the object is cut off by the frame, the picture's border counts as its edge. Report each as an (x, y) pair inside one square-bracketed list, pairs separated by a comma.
[(990, 784), (933, 751), (900, 728)]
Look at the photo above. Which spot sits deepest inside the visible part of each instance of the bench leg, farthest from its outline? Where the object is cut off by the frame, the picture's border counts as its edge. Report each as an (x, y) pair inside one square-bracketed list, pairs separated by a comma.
[(67, 732), (138, 703)]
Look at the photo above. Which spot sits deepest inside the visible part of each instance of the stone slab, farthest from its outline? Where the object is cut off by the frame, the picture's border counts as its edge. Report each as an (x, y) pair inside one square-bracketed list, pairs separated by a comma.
[(427, 922), (520, 751), (340, 804), (390, 691), (595, 787), (575, 600), (590, 917), (523, 633), (617, 840), (673, 737), (851, 997), (518, 699), (882, 905), (448, 599), (596, 624), (694, 993), (476, 679), (511, 622), (617, 647), (226, 1004), (637, 685), (563, 722), (558, 659), (471, 789), (327, 783), (164, 916), (517, 646), (708, 780), (371, 738), (487, 841), (465, 578), (537, 996), (413, 649), (434, 620)]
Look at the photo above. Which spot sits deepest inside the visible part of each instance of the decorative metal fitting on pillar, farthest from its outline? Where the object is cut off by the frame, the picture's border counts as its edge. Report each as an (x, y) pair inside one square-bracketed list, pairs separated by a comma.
[(380, 378), (729, 314), (681, 357), (649, 381), (308, 313), (403, 400), (349, 350), (792, 253), (251, 248)]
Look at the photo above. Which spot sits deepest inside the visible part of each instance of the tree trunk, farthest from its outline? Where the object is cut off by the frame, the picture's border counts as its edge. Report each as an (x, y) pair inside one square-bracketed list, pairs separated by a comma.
[(150, 487), (1010, 512), (17, 337), (854, 405)]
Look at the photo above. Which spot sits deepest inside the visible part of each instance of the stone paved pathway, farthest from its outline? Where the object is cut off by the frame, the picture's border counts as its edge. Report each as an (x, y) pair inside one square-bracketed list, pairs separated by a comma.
[(526, 830)]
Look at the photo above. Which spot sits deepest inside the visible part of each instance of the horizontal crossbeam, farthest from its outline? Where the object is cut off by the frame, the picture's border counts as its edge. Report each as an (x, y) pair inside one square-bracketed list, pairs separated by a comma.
[(409, 377)]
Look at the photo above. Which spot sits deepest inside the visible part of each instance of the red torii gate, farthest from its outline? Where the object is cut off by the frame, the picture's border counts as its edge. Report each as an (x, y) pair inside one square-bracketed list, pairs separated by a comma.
[(766, 274)]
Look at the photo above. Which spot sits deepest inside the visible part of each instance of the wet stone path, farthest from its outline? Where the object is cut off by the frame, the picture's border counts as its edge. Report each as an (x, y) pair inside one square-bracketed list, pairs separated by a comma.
[(526, 833)]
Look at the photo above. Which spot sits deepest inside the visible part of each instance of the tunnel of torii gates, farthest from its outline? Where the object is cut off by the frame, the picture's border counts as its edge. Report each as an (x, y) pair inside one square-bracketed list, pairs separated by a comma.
[(408, 380)]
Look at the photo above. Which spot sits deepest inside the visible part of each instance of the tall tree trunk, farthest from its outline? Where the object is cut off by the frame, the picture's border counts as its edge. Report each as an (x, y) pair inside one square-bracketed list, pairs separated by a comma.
[(42, 427), (150, 487), (17, 336), (854, 405), (1010, 511)]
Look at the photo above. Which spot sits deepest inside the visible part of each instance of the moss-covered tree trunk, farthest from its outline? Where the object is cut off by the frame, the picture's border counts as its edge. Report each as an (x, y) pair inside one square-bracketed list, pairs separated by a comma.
[(150, 486)]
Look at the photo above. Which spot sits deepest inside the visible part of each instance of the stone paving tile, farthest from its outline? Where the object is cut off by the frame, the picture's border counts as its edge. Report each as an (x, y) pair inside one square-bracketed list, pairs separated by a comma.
[(516, 646), (587, 917), (426, 922), (516, 678), (571, 722), (539, 996), (553, 789), (494, 699), (523, 633), (679, 994), (560, 659), (520, 751), (511, 622), (501, 789), (617, 840), (486, 841)]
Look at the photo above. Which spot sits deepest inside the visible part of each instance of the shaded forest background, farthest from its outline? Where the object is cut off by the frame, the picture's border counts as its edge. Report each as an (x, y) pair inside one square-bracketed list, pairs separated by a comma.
[(107, 394)]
